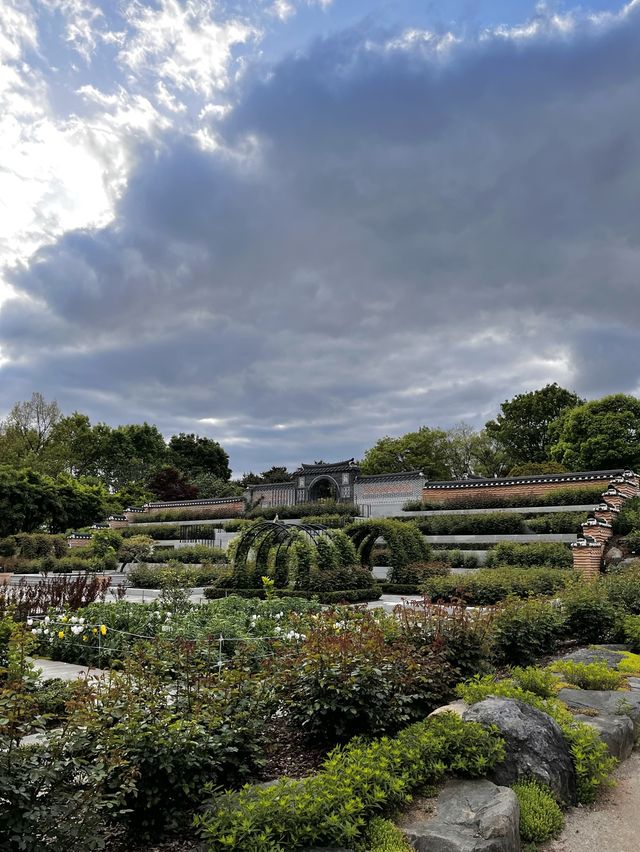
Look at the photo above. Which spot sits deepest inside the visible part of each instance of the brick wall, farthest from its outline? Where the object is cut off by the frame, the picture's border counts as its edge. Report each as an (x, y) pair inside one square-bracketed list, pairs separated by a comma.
[(510, 491)]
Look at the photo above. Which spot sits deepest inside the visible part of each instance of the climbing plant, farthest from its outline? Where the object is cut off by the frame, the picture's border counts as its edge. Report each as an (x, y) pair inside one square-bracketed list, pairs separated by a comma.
[(404, 541)]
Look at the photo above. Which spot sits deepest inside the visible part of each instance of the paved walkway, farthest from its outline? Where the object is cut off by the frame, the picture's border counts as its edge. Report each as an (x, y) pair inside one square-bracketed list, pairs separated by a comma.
[(65, 671), (609, 824)]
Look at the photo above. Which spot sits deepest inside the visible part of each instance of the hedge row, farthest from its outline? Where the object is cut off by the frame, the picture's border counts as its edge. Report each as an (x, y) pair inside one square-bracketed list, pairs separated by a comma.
[(492, 585), (346, 596), (501, 523), (549, 554), (203, 513), (303, 510), (199, 553)]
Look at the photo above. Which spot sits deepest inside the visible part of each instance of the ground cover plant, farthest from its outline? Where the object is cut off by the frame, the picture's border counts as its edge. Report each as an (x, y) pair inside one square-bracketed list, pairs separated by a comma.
[(540, 815), (589, 675)]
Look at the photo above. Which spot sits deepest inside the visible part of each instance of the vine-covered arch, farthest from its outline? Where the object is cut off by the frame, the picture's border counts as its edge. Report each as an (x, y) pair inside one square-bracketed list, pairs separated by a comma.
[(404, 540), (271, 542)]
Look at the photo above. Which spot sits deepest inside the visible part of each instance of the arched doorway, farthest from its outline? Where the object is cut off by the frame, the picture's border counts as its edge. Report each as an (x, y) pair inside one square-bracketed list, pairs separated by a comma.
[(323, 488)]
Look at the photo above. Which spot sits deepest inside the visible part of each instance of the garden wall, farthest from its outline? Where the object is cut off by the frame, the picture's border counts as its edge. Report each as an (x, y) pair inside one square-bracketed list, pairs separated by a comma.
[(514, 488)]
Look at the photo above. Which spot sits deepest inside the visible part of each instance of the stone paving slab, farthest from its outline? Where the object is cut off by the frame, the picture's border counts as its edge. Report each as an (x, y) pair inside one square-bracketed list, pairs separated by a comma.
[(65, 671)]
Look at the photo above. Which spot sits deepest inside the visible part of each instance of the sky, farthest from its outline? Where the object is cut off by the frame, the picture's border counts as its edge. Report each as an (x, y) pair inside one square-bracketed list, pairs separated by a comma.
[(296, 226)]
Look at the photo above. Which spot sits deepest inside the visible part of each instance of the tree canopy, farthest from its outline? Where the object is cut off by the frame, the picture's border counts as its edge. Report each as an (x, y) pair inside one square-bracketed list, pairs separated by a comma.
[(424, 450), (523, 426), (599, 435)]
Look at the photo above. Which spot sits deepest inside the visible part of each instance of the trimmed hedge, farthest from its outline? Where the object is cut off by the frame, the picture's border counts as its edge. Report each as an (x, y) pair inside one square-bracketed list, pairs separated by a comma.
[(556, 522), (355, 783), (549, 554), (204, 513), (485, 587), (491, 523), (303, 510), (344, 596), (199, 553)]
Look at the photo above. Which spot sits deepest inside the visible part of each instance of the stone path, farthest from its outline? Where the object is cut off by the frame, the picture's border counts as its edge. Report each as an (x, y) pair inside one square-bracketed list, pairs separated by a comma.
[(64, 671), (609, 824)]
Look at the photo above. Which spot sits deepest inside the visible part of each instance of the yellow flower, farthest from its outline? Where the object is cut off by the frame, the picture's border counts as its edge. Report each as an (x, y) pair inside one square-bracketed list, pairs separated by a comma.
[(60, 634), (103, 629), (95, 630), (64, 618), (84, 638)]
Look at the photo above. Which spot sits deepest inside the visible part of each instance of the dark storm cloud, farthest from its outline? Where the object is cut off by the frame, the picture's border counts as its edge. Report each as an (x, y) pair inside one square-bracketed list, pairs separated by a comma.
[(382, 238)]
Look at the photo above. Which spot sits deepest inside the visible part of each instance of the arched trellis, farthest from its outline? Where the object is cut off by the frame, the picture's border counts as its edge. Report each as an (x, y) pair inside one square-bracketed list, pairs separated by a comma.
[(405, 541), (262, 537)]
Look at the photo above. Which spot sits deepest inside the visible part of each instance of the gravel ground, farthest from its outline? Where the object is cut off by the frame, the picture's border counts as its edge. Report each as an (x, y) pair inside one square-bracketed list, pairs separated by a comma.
[(612, 823)]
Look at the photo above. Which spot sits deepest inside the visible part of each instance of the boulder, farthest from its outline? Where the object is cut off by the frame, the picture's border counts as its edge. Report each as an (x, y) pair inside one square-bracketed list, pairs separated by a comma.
[(615, 731), (457, 707), (471, 816), (594, 655), (613, 555), (606, 702), (535, 747)]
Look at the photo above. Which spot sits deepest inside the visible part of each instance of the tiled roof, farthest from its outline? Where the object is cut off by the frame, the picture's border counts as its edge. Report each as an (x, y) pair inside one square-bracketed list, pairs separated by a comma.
[(392, 477), (581, 476), (327, 467)]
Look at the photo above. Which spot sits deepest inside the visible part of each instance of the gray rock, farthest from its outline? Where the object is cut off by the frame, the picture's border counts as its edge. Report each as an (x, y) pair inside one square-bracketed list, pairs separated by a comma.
[(594, 655), (615, 731), (605, 702), (613, 555), (471, 816), (534, 744)]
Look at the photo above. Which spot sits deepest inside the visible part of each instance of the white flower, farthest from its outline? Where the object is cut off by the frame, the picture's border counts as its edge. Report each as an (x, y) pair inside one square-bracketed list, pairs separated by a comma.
[(76, 629), (278, 615), (73, 619), (47, 619), (35, 631), (277, 629), (29, 622)]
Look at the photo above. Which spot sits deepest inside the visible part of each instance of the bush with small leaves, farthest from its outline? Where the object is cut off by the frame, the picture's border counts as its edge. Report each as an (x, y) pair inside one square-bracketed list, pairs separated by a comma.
[(382, 835), (538, 681), (523, 631), (589, 615), (540, 815), (588, 675), (547, 554)]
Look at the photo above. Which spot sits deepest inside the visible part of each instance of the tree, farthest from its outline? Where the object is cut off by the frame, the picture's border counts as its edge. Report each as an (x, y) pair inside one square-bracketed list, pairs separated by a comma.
[(425, 450), (210, 486), (276, 473), (27, 430), (537, 469), (194, 455), (138, 548), (522, 428), (599, 435), (169, 483)]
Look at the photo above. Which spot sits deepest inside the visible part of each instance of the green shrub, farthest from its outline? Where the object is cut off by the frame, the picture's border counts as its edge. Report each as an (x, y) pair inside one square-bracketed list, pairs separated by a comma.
[(416, 572), (303, 510), (202, 513), (332, 807), (589, 615), (556, 522), (382, 835), (190, 555), (491, 523), (525, 630), (540, 815), (549, 554), (632, 632), (583, 496), (538, 681), (493, 585), (352, 577), (346, 679), (591, 758), (35, 545), (145, 576), (623, 589), (404, 542), (588, 675), (633, 541)]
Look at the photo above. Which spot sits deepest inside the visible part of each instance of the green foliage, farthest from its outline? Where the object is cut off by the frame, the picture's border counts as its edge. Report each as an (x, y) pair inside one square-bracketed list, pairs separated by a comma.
[(425, 450), (382, 835), (345, 551), (196, 455), (632, 632), (588, 675), (346, 679), (549, 554), (523, 427), (197, 553), (144, 576), (540, 682), (138, 548), (540, 815), (417, 572), (495, 584), (601, 434), (232, 509), (633, 541), (326, 555), (334, 806), (591, 758), (34, 545), (404, 542), (589, 615), (493, 523), (303, 510), (525, 630), (556, 522), (537, 469)]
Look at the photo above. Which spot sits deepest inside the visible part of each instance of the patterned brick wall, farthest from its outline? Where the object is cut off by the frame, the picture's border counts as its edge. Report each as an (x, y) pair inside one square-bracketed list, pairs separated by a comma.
[(510, 491)]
